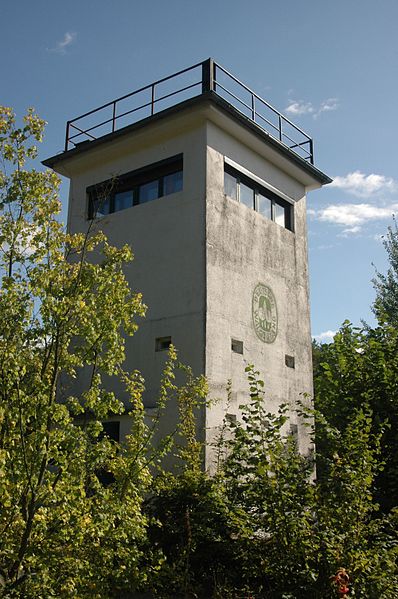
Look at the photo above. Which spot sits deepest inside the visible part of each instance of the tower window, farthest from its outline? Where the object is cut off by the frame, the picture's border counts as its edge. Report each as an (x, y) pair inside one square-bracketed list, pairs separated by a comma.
[(137, 187), (250, 193), (289, 361), (237, 346), (294, 431), (162, 343)]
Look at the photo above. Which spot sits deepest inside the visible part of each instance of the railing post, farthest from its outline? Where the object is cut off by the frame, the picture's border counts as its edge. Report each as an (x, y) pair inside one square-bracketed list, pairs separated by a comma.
[(208, 75), (152, 98), (312, 151), (253, 108), (280, 128), (114, 116), (67, 136)]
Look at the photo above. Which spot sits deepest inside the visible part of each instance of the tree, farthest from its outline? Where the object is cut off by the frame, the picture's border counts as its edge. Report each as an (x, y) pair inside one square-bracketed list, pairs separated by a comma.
[(64, 305), (359, 371), (262, 527), (386, 286)]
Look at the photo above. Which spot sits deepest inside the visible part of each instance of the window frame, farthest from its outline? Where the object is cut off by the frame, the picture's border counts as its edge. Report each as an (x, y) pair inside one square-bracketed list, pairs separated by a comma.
[(258, 190), (133, 181)]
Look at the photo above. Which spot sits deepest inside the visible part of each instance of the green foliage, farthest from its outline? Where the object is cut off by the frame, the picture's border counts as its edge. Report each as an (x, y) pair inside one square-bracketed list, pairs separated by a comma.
[(386, 286), (359, 371), (64, 305), (262, 526)]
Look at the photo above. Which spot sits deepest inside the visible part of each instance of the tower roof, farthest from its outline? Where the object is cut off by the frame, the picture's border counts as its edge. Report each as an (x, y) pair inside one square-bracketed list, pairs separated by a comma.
[(205, 87)]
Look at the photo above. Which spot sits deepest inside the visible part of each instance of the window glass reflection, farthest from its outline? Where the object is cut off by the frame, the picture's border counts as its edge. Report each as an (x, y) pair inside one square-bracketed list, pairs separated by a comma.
[(102, 206), (172, 183), (148, 191), (246, 196), (230, 186), (264, 206), (280, 217), (123, 200)]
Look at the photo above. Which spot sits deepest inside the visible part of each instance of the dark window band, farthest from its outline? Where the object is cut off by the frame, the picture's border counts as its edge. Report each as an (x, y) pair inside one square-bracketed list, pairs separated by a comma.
[(136, 187), (241, 188)]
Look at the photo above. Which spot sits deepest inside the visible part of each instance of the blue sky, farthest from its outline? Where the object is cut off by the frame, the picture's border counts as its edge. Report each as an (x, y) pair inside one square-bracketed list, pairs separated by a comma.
[(329, 66)]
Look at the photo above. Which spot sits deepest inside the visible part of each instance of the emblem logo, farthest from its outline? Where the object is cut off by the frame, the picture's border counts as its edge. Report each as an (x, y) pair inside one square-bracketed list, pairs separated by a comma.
[(264, 313)]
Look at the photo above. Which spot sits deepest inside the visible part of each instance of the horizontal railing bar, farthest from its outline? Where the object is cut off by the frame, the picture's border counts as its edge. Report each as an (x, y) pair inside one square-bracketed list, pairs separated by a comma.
[(132, 110), (81, 132), (182, 89), (94, 127), (305, 153), (119, 116), (294, 142), (250, 108), (233, 95), (255, 111), (258, 114), (289, 138), (299, 144), (259, 98), (137, 91)]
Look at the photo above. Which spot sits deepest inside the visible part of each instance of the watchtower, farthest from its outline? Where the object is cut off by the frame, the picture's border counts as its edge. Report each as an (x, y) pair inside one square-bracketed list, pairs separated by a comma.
[(207, 182)]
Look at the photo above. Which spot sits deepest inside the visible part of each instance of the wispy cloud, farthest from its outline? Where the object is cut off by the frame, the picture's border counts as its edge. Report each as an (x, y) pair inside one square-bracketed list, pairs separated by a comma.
[(361, 185), (350, 231), (325, 246), (325, 337), (61, 46), (354, 216), (299, 108), (327, 106)]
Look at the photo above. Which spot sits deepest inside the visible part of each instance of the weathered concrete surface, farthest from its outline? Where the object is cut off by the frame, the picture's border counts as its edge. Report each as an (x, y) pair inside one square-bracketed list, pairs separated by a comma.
[(199, 256), (243, 249)]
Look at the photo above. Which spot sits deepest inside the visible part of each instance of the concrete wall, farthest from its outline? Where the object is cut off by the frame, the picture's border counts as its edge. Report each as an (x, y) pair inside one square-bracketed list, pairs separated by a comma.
[(199, 256), (243, 249), (167, 236)]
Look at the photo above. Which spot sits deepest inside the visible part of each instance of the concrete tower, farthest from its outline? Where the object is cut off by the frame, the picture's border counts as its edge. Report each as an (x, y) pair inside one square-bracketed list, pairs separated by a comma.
[(207, 182)]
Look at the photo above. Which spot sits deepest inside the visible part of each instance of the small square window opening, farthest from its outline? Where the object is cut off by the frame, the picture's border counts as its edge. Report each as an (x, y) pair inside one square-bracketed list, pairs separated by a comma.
[(289, 361), (162, 343), (294, 431), (237, 346)]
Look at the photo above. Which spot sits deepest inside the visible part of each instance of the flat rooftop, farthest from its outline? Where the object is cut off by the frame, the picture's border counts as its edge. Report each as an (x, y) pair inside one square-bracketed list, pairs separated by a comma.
[(204, 80)]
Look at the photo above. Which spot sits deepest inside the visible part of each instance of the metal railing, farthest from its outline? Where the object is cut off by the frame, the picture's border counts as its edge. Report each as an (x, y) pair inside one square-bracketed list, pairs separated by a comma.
[(203, 77)]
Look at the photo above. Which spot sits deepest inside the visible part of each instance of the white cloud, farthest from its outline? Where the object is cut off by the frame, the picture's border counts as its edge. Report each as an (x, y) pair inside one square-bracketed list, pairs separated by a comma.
[(350, 231), (352, 216), (325, 246), (362, 185), (325, 337), (67, 40), (298, 108), (329, 105)]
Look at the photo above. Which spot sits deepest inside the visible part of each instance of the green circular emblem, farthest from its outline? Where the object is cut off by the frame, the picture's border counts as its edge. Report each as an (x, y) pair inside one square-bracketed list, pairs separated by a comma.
[(264, 313)]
